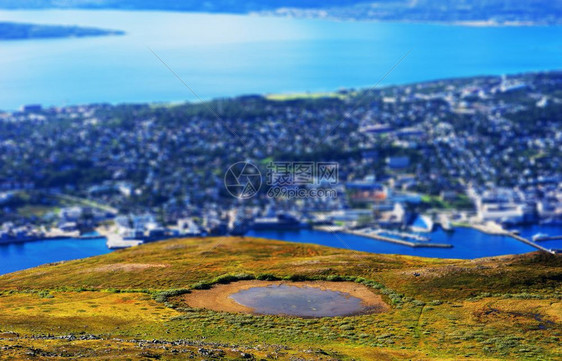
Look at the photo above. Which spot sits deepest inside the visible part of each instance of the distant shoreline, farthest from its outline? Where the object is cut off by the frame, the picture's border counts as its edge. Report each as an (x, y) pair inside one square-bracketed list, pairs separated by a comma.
[(14, 31), (482, 23), (342, 14)]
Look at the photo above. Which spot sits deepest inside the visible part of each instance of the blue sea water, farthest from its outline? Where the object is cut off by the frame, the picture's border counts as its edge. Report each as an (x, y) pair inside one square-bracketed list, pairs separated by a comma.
[(19, 256), (467, 243), (223, 55)]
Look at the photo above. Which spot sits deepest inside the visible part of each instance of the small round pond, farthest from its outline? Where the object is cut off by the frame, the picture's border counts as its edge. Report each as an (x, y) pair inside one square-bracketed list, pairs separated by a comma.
[(291, 300), (301, 299)]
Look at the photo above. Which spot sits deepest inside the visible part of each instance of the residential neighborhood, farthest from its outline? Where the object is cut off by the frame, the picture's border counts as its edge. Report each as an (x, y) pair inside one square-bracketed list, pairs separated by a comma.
[(473, 150)]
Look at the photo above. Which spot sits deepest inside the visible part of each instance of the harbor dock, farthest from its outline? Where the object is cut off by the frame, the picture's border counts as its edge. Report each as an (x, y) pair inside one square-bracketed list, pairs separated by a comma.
[(404, 235), (326, 228), (410, 240), (531, 243), (497, 230), (378, 237)]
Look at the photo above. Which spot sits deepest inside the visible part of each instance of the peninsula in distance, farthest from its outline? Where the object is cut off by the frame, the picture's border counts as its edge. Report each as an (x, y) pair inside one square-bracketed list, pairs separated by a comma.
[(22, 31)]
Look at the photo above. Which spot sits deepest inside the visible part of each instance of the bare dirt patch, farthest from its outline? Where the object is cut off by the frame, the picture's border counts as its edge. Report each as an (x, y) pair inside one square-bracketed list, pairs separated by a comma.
[(127, 267), (218, 298)]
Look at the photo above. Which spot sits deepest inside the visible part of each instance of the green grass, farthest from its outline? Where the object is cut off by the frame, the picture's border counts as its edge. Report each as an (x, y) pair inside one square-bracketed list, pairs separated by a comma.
[(36, 211), (437, 202), (500, 308)]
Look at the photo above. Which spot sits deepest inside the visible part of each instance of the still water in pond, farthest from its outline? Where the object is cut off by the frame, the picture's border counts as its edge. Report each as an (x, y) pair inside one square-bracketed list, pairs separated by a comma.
[(298, 301)]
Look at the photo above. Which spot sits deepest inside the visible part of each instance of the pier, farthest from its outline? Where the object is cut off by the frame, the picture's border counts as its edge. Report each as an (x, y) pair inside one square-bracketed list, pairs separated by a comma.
[(415, 237), (330, 229), (530, 243), (497, 230), (378, 237)]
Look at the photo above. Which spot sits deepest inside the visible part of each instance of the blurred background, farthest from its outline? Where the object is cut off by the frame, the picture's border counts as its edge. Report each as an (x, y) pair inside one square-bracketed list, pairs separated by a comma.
[(119, 120)]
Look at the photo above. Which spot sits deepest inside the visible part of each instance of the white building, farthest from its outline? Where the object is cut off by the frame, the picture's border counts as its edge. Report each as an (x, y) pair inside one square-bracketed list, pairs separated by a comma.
[(501, 212), (549, 209)]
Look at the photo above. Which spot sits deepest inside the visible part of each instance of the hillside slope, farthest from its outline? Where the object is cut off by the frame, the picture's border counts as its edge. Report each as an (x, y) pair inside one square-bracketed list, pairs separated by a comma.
[(127, 305)]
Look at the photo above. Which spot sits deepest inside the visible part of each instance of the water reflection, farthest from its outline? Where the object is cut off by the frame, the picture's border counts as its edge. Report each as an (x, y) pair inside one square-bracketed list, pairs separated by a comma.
[(298, 301)]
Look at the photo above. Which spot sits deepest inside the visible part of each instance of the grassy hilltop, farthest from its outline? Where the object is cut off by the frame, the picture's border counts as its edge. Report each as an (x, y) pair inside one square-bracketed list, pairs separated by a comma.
[(127, 305)]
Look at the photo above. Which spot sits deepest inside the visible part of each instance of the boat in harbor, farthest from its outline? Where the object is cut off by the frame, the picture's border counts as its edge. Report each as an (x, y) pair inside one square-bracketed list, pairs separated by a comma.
[(537, 237), (551, 222), (545, 237)]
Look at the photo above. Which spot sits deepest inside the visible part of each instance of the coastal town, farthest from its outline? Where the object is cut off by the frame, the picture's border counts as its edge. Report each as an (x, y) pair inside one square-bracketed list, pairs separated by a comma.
[(297, 180), (482, 152)]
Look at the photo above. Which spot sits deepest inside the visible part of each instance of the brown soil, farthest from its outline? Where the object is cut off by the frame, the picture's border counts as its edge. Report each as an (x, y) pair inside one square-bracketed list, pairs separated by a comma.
[(127, 267), (217, 298)]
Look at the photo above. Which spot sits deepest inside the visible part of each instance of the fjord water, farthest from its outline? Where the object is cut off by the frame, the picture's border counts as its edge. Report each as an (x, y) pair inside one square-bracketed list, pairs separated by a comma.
[(298, 301), (467, 243), (19, 256), (226, 55)]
